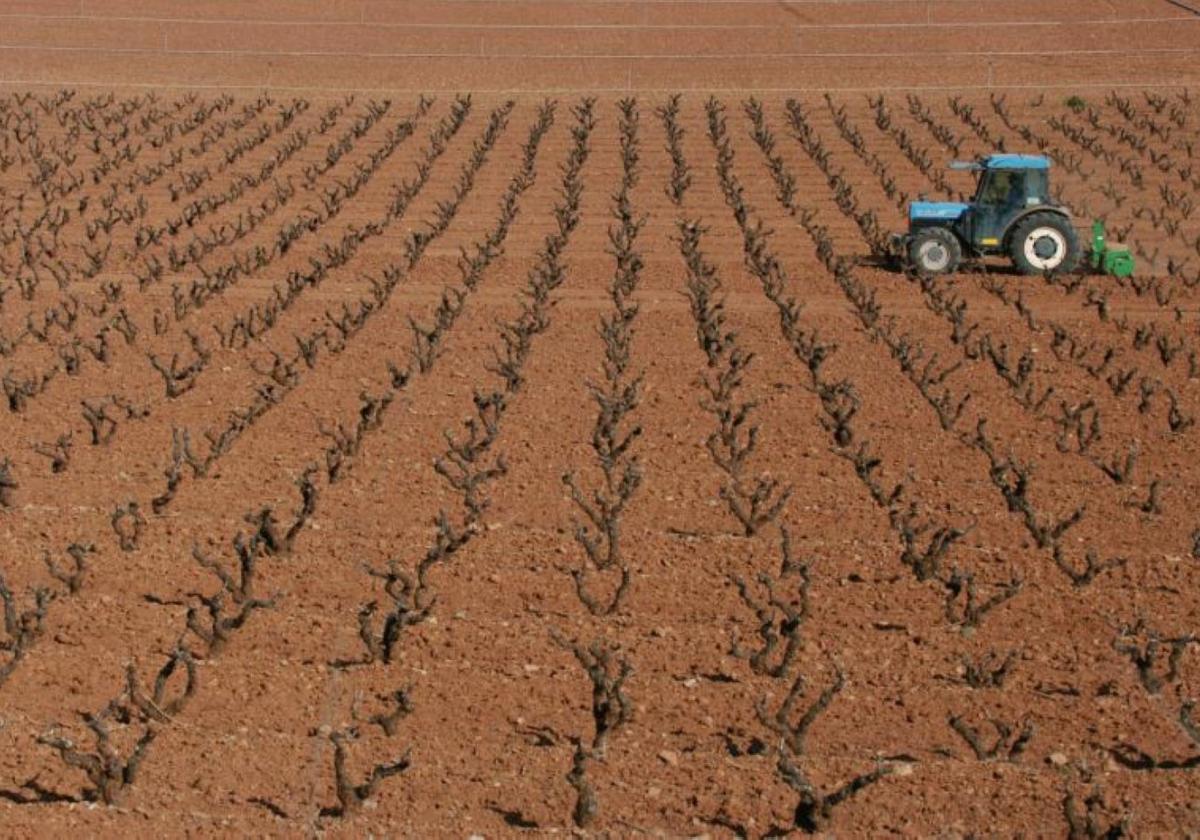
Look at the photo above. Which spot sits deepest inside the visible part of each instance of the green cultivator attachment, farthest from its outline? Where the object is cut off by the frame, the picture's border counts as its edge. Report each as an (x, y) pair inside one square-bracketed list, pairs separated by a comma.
[(1108, 258)]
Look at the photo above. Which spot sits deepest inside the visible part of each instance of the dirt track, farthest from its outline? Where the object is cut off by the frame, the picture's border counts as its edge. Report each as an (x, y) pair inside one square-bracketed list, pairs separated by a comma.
[(264, 320)]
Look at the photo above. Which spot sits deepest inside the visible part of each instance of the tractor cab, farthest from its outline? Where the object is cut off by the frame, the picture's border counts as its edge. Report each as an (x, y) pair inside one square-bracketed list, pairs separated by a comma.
[(1008, 185), (1011, 213)]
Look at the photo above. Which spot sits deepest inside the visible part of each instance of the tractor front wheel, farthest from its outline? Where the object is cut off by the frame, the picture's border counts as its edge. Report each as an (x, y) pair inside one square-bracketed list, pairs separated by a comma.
[(934, 250), (1043, 242)]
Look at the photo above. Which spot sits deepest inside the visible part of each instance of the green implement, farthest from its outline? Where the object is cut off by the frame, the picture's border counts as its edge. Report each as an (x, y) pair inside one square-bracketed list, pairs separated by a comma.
[(1109, 258)]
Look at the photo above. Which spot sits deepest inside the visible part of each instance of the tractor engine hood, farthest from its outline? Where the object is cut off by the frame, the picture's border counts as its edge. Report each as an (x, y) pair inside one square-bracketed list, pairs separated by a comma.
[(936, 211)]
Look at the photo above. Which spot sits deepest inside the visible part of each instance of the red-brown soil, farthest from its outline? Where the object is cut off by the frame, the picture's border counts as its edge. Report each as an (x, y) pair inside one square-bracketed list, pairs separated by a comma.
[(1087, 679), (602, 46)]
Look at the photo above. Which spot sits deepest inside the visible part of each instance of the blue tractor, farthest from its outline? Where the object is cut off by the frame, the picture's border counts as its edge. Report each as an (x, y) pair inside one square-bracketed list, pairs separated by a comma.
[(1012, 214)]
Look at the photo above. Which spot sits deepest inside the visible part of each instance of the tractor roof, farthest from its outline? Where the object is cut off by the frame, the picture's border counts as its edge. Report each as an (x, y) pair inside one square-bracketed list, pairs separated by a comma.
[(1002, 162), (1016, 162)]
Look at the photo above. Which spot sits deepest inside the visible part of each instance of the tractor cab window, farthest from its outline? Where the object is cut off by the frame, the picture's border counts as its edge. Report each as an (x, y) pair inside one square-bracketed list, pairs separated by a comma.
[(1013, 188), (994, 188)]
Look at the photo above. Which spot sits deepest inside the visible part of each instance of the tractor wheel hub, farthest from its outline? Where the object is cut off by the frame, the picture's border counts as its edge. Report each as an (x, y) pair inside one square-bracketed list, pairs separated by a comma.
[(1045, 247), (934, 255)]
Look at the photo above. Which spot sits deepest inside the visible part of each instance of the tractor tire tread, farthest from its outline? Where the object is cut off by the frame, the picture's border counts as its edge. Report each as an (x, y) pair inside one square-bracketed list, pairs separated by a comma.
[(1033, 221), (948, 239)]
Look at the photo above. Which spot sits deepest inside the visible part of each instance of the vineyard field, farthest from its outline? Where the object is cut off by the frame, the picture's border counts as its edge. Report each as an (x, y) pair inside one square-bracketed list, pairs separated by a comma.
[(453, 465)]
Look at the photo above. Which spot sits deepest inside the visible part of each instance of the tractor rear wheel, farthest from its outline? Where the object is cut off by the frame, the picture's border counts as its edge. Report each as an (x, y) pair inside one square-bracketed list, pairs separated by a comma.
[(934, 250), (1043, 242)]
